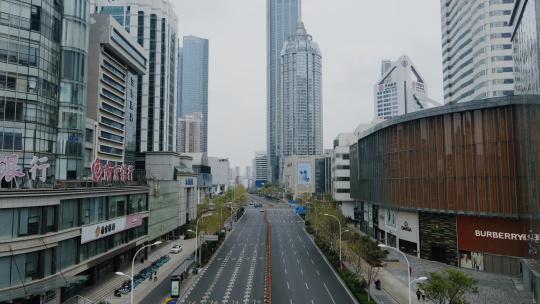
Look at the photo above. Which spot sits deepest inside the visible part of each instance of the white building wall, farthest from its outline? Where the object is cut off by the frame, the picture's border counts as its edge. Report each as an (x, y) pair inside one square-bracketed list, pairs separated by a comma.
[(477, 51)]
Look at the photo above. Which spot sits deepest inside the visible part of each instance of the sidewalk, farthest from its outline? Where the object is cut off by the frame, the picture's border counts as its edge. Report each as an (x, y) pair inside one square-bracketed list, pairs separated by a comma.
[(492, 288), (104, 290)]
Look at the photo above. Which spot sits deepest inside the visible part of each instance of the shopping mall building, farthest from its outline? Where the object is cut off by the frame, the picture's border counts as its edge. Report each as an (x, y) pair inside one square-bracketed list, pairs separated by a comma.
[(456, 184)]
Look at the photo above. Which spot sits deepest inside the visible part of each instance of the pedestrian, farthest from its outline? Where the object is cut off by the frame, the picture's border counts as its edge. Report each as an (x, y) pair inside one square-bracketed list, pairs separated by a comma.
[(423, 295), (155, 276), (418, 294)]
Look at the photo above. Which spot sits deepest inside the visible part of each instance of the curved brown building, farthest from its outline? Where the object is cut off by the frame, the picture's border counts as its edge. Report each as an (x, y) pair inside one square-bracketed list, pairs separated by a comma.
[(468, 174)]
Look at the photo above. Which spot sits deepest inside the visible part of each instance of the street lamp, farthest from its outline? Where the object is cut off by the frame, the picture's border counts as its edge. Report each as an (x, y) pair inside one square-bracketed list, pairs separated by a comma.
[(339, 222), (197, 235), (408, 268), (133, 268)]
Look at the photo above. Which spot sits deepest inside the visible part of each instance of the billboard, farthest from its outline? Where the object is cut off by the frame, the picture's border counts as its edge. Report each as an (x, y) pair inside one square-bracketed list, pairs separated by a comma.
[(304, 174)]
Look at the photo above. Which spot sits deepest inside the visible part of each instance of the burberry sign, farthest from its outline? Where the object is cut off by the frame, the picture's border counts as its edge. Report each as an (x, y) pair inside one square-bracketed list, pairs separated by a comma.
[(109, 173)]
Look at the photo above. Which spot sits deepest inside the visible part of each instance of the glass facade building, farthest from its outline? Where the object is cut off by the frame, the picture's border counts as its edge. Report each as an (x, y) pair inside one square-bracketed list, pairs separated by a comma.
[(43, 55), (300, 99), (525, 42), (281, 20), (195, 82)]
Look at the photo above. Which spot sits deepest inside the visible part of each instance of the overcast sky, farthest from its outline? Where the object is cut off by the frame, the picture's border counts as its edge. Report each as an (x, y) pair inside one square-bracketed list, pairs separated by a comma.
[(354, 36)]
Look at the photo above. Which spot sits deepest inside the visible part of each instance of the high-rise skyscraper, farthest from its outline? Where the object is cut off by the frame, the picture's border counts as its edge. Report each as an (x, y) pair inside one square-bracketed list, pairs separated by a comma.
[(154, 25), (477, 52), (195, 82), (400, 90), (300, 102), (281, 20)]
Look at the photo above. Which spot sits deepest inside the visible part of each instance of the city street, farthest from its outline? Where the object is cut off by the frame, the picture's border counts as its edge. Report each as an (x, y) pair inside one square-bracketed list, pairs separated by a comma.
[(299, 272), (236, 273)]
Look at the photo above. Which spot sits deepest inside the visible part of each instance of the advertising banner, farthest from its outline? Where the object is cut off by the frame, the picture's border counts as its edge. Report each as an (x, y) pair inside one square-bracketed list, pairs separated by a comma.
[(304, 174), (97, 231), (493, 235)]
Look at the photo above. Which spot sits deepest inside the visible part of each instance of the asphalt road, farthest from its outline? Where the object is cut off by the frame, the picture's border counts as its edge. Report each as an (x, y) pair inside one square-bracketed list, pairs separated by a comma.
[(236, 273), (299, 272)]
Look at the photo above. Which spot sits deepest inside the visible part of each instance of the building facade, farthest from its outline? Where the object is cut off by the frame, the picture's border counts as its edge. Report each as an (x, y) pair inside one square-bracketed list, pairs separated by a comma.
[(400, 90), (300, 100), (476, 49), (195, 82), (282, 17), (454, 184), (220, 168), (190, 133), (524, 22), (118, 61), (299, 175), (173, 193), (154, 25), (341, 186)]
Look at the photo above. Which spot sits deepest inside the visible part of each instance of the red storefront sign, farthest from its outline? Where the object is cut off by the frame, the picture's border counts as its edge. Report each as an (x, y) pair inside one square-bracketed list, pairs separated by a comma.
[(492, 235), (109, 173)]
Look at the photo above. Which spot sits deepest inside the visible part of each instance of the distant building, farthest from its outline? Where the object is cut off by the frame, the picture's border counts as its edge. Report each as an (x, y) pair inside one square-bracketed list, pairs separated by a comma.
[(220, 168), (476, 49), (323, 174), (260, 168), (117, 63), (341, 174), (194, 79), (281, 20), (190, 133), (299, 175), (301, 96), (400, 90)]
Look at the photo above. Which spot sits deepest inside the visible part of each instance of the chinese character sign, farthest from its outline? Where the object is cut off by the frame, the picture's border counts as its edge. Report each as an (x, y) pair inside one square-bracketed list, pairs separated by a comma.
[(9, 168), (110, 173)]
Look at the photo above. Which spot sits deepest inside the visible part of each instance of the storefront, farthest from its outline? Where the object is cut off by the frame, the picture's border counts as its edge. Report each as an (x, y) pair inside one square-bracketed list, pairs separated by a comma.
[(492, 244), (399, 229), (438, 240)]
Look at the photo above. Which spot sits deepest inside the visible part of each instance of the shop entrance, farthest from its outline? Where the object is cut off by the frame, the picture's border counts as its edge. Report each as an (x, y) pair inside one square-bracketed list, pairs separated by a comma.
[(438, 253), (408, 247)]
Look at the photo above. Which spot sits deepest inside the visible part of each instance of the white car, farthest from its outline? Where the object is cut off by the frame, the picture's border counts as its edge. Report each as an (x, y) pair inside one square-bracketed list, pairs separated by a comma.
[(176, 249)]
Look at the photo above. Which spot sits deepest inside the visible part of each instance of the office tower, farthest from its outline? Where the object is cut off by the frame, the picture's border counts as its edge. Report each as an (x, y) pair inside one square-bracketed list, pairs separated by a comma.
[(154, 25), (117, 62), (281, 20), (179, 84), (195, 81), (476, 48), (400, 90), (190, 133), (300, 101)]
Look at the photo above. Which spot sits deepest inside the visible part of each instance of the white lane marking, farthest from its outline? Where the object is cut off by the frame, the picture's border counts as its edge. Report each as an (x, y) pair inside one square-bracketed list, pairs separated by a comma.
[(290, 301), (288, 287), (331, 298), (285, 270), (318, 273), (312, 302), (312, 261), (307, 287), (301, 272), (297, 261)]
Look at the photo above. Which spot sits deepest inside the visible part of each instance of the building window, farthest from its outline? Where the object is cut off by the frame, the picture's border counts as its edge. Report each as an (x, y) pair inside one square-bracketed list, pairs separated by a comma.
[(35, 18), (68, 214)]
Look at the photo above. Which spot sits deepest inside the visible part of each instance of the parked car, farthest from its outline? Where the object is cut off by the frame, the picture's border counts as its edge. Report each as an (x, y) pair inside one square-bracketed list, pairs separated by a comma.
[(176, 249)]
